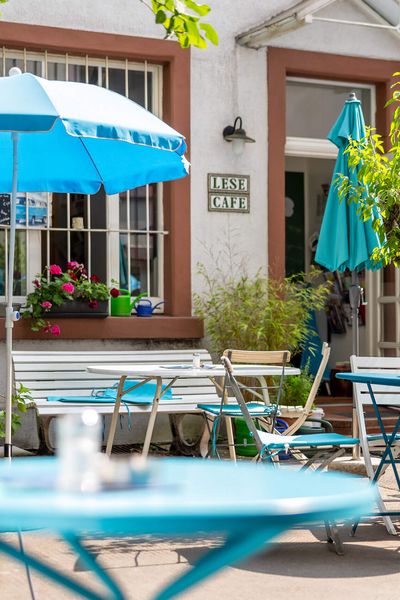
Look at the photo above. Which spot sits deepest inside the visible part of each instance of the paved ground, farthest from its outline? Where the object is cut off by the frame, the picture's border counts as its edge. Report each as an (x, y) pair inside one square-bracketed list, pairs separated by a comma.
[(301, 566)]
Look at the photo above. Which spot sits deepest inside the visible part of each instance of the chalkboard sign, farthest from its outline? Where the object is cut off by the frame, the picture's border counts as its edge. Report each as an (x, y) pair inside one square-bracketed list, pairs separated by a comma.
[(5, 206)]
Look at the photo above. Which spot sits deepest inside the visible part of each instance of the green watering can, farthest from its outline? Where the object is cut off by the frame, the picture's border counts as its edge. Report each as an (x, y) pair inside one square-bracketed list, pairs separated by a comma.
[(122, 305)]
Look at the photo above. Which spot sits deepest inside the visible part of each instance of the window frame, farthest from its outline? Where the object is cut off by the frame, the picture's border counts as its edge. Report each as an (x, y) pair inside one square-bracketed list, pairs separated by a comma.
[(176, 194)]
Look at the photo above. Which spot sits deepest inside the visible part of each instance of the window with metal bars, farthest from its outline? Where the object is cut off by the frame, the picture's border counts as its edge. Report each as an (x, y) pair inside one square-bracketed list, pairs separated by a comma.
[(119, 238)]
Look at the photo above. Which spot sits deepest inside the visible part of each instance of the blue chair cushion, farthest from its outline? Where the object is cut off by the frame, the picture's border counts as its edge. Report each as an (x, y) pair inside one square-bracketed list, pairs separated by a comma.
[(143, 394), (275, 441)]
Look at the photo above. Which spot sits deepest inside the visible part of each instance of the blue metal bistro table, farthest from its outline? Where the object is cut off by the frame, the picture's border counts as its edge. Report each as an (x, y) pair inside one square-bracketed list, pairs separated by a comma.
[(247, 504), (389, 401)]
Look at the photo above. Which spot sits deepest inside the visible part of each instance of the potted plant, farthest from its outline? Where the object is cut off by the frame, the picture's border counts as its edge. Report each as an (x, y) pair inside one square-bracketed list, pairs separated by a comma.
[(67, 293), (21, 400), (258, 312)]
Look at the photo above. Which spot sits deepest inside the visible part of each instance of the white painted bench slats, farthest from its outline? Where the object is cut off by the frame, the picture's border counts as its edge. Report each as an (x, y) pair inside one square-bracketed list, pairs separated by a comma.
[(63, 373)]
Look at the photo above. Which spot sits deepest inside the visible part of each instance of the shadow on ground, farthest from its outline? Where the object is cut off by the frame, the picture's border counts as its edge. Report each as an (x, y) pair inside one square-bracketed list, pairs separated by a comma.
[(372, 552)]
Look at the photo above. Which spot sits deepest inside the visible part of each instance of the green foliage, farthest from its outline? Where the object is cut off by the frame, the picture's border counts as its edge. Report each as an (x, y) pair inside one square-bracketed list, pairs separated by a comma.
[(20, 399), (378, 183), (182, 19), (54, 287), (296, 389), (258, 313)]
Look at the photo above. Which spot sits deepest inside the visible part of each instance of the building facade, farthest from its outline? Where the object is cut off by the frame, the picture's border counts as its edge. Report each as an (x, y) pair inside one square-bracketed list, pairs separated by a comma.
[(285, 67)]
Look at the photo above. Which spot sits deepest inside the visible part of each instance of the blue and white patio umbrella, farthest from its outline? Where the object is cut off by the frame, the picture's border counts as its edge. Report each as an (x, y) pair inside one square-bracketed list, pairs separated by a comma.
[(345, 240), (58, 136)]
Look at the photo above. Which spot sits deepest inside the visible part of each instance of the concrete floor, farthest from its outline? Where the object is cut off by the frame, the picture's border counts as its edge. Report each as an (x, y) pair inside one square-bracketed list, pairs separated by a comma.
[(300, 566)]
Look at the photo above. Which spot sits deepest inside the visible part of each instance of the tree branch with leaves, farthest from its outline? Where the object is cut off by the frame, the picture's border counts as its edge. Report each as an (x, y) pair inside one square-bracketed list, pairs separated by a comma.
[(377, 190), (183, 20)]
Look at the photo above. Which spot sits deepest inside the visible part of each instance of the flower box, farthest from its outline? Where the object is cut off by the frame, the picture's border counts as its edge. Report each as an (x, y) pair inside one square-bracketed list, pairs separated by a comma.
[(75, 308)]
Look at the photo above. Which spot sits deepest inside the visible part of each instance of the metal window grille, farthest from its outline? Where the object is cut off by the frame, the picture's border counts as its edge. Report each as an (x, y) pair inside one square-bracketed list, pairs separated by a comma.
[(119, 238)]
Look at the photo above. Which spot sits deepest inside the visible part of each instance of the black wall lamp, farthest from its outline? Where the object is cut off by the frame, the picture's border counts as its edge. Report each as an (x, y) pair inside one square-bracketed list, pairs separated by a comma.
[(237, 135)]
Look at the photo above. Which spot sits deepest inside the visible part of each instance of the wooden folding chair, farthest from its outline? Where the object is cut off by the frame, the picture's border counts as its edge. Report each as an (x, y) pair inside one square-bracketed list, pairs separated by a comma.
[(259, 408)]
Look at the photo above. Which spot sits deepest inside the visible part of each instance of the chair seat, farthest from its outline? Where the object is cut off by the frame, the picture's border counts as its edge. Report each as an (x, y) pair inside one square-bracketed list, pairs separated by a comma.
[(281, 442), (256, 409)]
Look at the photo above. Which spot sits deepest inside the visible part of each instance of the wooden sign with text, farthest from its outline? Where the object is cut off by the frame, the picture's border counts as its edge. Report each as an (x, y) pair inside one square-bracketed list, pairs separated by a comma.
[(228, 193)]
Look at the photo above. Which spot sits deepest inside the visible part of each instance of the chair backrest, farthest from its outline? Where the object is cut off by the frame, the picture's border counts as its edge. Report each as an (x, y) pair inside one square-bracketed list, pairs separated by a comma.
[(325, 353), (260, 357), (378, 364)]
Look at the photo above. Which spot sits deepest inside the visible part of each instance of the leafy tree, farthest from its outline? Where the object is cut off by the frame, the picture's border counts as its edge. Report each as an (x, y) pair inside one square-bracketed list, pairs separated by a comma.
[(377, 190), (182, 19)]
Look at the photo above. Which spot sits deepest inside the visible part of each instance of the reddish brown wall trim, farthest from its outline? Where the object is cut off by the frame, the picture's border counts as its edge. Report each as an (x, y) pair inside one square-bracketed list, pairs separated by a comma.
[(118, 328), (176, 112), (281, 63)]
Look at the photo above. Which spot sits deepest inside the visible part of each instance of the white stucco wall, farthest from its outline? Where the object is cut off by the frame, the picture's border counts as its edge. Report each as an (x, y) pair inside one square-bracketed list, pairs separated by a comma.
[(227, 81)]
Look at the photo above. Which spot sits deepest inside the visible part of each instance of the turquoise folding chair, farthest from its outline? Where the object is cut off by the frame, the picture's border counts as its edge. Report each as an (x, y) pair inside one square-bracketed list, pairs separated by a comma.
[(328, 446), (324, 447), (261, 408)]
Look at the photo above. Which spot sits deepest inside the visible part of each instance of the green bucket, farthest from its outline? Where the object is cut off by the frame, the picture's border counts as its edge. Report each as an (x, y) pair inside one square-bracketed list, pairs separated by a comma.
[(244, 441)]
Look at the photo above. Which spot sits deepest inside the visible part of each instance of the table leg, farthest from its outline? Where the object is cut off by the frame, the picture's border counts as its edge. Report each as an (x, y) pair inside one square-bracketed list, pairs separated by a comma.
[(388, 441), (231, 438), (236, 547), (112, 593), (152, 418), (113, 426)]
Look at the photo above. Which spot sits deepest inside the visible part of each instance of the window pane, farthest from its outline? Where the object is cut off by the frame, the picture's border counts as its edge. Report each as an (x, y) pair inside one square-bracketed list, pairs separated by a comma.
[(389, 281), (59, 210), (79, 247), (58, 249), (312, 108), (98, 243), (123, 208), (137, 205), (139, 264), (123, 261), (136, 88), (20, 264), (138, 208), (98, 210), (116, 81), (388, 322), (155, 241), (2, 262), (96, 75), (56, 71), (78, 211)]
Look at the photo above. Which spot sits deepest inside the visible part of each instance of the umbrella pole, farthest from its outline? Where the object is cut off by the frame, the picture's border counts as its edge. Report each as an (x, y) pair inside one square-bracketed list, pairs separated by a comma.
[(355, 297), (10, 315)]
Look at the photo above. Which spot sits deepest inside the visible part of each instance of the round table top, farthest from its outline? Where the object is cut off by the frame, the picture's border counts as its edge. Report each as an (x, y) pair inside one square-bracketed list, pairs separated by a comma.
[(183, 495), (170, 371), (370, 377)]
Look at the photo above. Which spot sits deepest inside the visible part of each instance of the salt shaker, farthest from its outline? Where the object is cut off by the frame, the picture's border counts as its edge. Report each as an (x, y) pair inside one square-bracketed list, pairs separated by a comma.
[(196, 360), (78, 447)]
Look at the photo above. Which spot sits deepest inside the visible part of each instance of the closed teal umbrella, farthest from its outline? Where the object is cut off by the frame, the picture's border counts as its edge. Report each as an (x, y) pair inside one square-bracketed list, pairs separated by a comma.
[(345, 240)]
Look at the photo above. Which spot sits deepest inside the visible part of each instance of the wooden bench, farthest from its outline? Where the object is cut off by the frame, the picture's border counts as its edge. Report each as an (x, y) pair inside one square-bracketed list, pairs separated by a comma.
[(64, 374)]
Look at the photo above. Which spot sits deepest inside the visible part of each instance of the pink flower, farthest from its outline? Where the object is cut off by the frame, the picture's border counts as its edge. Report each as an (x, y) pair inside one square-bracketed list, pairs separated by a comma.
[(93, 304), (55, 330), (46, 304), (47, 328), (55, 270), (36, 283), (114, 292), (68, 288), (72, 264)]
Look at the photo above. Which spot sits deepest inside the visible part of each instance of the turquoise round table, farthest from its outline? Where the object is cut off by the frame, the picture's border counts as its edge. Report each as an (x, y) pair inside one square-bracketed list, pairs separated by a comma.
[(247, 504)]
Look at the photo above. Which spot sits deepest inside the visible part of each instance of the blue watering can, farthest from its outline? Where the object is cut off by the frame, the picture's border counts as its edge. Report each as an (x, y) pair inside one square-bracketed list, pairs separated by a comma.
[(145, 308)]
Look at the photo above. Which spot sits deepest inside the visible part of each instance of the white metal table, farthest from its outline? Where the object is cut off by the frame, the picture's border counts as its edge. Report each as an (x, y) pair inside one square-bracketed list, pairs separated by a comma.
[(158, 373)]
